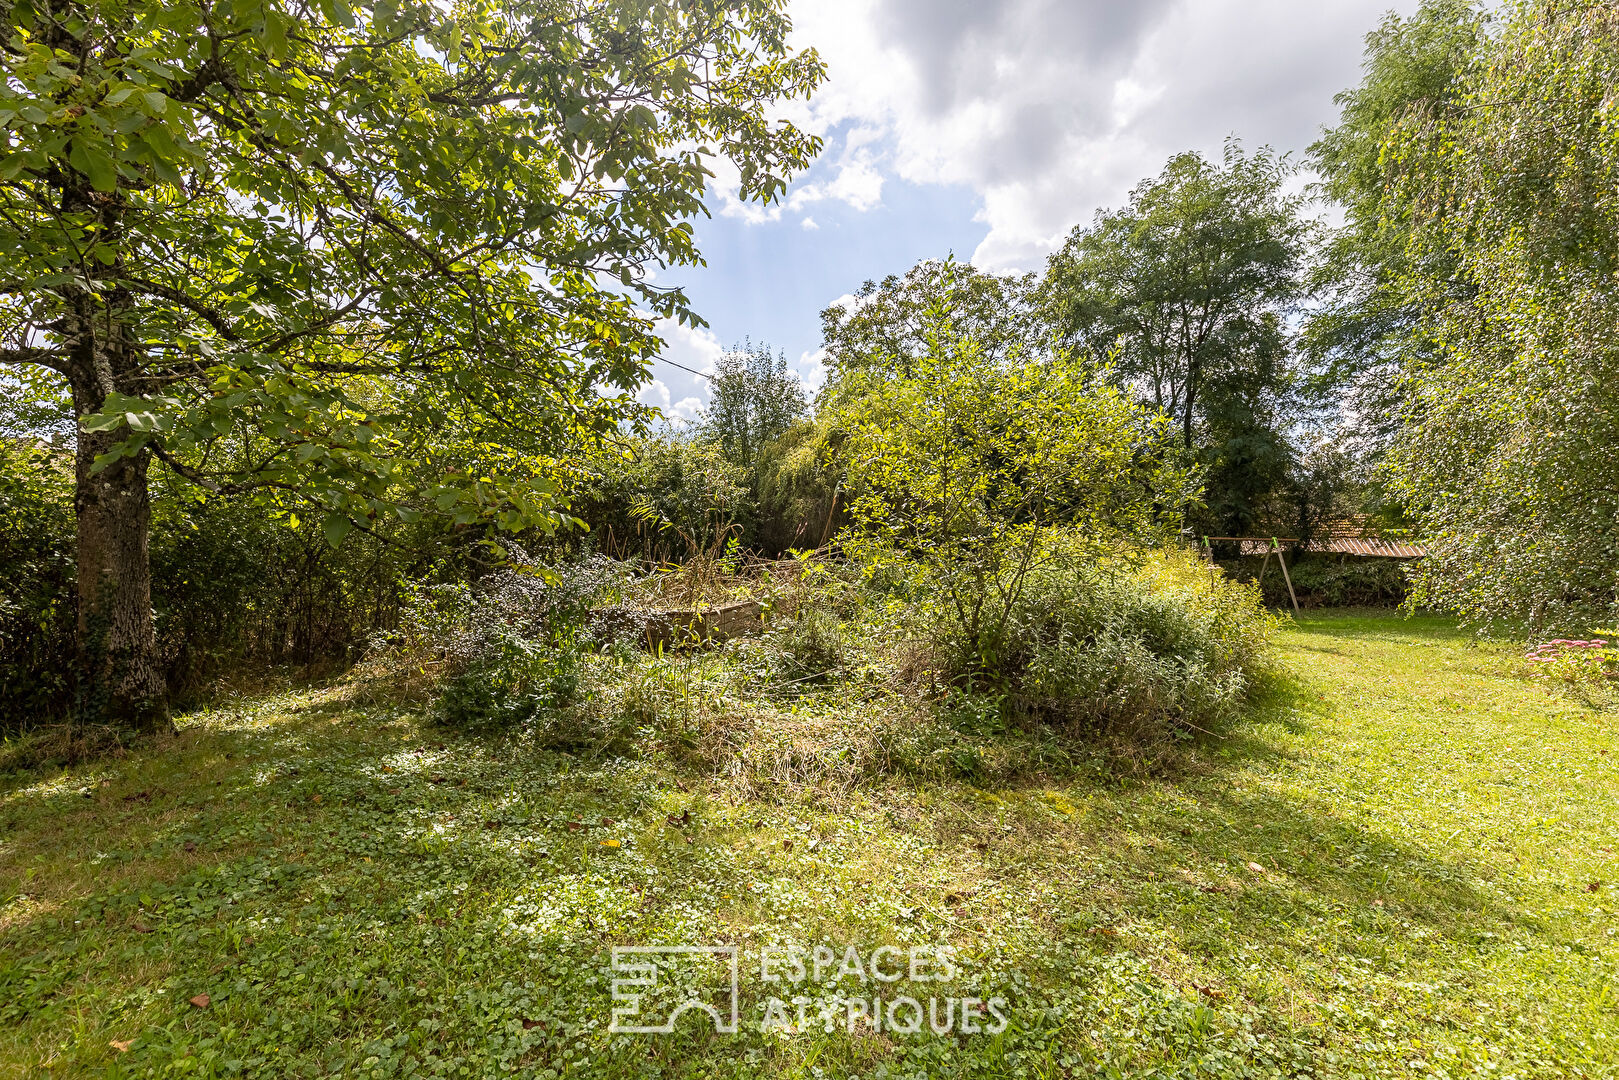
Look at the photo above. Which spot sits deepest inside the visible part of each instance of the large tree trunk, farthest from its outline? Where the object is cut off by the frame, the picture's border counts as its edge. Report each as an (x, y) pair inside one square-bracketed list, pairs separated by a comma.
[(120, 677)]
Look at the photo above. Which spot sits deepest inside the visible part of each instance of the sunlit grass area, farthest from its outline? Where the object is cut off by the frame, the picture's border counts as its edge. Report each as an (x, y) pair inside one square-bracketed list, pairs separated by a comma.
[(1402, 864)]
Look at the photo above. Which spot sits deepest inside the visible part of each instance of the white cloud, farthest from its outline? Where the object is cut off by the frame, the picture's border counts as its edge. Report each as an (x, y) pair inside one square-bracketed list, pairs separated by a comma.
[(695, 348), (655, 393), (809, 224), (1050, 109), (811, 370), (675, 390)]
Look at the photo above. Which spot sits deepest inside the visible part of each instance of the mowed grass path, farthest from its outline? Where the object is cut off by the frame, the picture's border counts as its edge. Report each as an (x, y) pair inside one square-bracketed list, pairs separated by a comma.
[(1404, 865)]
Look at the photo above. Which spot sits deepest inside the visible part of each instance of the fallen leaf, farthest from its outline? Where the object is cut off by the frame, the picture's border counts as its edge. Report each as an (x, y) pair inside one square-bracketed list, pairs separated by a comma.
[(608, 823), (1209, 992), (200, 1001), (122, 1046), (677, 820), (191, 845), (575, 826), (530, 1025), (1108, 930), (786, 845), (142, 928), (688, 839), (1256, 868), (1595, 886)]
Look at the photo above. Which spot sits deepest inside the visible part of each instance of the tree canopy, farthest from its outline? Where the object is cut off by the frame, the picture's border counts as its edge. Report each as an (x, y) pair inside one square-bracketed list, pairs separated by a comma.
[(1366, 327), (1185, 292), (886, 325), (278, 245), (1506, 451), (753, 398)]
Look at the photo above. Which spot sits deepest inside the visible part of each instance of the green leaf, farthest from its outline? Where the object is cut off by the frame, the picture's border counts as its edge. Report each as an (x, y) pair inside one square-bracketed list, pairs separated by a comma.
[(101, 421), (336, 526), (92, 159)]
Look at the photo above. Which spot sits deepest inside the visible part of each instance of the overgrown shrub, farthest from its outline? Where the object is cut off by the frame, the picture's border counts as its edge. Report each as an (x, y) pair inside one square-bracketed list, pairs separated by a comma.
[(1140, 643), (512, 646), (1585, 669), (233, 584), (37, 605), (809, 646), (796, 485), (663, 499)]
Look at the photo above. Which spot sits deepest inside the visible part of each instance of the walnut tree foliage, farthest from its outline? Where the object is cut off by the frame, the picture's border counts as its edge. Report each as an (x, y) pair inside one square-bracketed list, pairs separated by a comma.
[(379, 260)]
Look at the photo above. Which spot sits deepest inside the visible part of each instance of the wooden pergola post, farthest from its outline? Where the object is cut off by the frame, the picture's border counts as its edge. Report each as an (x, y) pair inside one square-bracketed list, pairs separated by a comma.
[(1291, 595)]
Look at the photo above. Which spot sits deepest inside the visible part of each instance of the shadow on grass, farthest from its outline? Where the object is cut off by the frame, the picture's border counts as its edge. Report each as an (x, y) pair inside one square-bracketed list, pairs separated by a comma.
[(334, 878)]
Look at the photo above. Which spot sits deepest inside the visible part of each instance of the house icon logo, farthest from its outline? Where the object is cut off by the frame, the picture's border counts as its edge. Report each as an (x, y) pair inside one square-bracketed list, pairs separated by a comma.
[(654, 985)]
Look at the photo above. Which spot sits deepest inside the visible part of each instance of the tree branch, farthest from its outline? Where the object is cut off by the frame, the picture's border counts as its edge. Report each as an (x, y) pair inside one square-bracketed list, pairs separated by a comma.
[(51, 358)]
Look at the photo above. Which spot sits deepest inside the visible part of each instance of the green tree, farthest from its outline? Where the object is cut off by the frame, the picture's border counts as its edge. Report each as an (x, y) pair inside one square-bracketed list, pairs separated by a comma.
[(1186, 291), (887, 326), (1185, 287), (1367, 329), (967, 465), (662, 497), (753, 399), (375, 259), (1506, 451)]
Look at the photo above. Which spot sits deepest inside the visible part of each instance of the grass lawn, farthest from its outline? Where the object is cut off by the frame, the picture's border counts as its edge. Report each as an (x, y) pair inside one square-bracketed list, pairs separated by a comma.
[(1403, 865)]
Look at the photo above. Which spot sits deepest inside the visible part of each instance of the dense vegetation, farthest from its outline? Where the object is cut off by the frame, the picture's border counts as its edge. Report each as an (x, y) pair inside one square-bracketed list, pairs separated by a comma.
[(359, 893), (1434, 366), (323, 327)]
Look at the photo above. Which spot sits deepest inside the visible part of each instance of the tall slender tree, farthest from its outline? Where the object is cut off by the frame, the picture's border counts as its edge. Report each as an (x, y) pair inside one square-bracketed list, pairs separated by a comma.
[(1185, 293), (754, 398)]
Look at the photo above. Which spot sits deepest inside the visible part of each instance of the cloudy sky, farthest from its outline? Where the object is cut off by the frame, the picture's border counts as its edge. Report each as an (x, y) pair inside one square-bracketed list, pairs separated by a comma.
[(989, 128)]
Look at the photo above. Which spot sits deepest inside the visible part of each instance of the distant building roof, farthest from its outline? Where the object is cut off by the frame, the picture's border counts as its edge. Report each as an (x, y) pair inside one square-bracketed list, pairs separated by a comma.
[(1343, 536), (1350, 545)]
